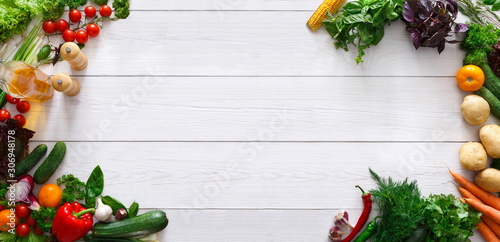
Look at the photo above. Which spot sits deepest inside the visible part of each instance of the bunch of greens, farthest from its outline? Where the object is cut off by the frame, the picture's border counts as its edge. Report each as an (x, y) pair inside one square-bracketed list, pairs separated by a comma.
[(404, 214), (44, 217), (361, 23), (121, 8), (478, 12), (431, 21), (449, 219), (478, 43), (400, 208), (74, 189)]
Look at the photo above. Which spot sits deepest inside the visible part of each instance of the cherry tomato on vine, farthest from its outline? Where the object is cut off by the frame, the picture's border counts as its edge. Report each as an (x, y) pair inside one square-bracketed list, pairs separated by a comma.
[(38, 231), (68, 35), (22, 211), (93, 30), (470, 78), (22, 230), (75, 15), (30, 221), (12, 100), (4, 115), (49, 27), (62, 25), (23, 106), (21, 120), (105, 11), (90, 11), (81, 36)]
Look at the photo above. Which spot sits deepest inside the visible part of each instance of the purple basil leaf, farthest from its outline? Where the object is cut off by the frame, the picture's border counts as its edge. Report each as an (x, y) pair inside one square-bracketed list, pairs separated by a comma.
[(408, 13), (441, 46), (461, 28), (415, 39)]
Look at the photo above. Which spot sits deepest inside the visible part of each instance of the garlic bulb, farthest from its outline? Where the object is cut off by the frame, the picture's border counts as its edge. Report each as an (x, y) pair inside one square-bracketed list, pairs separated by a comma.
[(102, 211)]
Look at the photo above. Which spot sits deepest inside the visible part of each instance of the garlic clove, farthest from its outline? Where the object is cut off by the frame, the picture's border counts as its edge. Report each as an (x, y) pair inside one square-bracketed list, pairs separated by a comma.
[(102, 211)]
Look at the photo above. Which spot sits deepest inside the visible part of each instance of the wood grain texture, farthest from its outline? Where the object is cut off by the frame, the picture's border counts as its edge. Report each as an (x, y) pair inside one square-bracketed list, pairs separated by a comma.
[(215, 43), (243, 125), (259, 109)]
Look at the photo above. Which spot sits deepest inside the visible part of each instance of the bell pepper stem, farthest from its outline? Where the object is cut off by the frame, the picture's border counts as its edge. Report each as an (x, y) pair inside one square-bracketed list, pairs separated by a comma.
[(88, 210)]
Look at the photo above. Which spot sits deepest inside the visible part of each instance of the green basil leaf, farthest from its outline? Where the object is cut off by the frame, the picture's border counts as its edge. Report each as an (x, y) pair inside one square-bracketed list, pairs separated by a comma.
[(113, 203), (94, 186), (133, 210), (496, 6), (489, 2)]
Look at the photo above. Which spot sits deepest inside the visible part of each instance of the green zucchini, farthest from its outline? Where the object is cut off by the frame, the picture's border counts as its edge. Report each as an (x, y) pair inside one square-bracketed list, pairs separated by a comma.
[(491, 99), (50, 164), (144, 224), (30, 161)]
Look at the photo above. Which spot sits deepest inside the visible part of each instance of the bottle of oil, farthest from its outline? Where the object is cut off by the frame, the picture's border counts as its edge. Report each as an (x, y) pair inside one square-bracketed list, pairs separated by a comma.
[(21, 80)]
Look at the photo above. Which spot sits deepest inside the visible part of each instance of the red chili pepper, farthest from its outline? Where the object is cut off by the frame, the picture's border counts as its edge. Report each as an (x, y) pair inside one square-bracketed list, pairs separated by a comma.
[(72, 222), (363, 218)]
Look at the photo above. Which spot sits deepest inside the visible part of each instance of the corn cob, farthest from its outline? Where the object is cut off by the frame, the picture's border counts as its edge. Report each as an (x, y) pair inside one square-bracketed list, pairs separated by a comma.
[(319, 15)]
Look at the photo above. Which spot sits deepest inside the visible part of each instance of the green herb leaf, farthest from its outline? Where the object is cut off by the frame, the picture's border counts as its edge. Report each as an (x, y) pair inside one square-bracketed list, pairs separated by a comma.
[(133, 210), (113, 203), (44, 218), (495, 6), (94, 187), (74, 189), (489, 2)]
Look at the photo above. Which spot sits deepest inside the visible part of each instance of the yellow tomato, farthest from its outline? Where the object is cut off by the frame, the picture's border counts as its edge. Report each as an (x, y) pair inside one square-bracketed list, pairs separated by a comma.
[(470, 78), (7, 219), (50, 195)]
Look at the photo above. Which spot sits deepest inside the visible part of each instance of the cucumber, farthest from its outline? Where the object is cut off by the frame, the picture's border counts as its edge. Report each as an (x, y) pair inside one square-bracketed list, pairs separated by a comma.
[(144, 224), (3, 98), (491, 81), (30, 161), (491, 99), (50, 164)]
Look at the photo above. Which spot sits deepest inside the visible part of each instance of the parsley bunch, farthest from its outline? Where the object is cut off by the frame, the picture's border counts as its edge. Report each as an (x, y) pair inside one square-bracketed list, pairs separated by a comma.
[(74, 189)]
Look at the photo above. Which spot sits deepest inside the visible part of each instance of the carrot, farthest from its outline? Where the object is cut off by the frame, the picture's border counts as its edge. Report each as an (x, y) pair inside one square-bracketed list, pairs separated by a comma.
[(483, 195), (495, 227), (465, 193), (484, 209), (486, 232)]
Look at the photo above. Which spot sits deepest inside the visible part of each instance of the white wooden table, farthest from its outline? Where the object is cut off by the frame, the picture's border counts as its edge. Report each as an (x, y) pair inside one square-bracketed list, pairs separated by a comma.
[(243, 125)]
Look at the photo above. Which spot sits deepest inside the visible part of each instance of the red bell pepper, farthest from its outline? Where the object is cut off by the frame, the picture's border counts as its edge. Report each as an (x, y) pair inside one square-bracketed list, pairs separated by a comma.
[(72, 222)]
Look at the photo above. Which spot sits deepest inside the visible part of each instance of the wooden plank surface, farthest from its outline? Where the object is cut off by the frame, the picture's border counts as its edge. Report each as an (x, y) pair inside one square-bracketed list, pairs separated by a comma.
[(251, 108), (243, 125)]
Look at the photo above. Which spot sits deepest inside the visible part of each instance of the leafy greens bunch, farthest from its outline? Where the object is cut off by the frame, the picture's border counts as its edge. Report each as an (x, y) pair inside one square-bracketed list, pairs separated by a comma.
[(361, 23), (405, 214), (431, 21)]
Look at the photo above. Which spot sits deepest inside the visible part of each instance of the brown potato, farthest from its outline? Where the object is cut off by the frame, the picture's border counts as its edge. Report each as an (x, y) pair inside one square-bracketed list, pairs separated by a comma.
[(488, 179), (475, 109), (473, 156), (490, 137)]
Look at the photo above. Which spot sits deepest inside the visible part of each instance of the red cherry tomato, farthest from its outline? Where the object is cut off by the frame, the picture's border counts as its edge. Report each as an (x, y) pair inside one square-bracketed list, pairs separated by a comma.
[(30, 221), (22, 230), (93, 30), (12, 100), (4, 115), (23, 106), (22, 211), (75, 15), (105, 11), (49, 27), (68, 35), (82, 36), (90, 11), (21, 120), (62, 25), (38, 230)]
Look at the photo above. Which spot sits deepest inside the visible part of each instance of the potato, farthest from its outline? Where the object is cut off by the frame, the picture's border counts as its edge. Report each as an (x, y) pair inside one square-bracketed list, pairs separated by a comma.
[(475, 109), (473, 156), (488, 179), (490, 137)]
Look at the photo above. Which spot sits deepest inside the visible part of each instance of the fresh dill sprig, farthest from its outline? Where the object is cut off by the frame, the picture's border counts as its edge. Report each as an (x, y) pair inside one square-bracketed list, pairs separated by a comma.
[(400, 208)]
